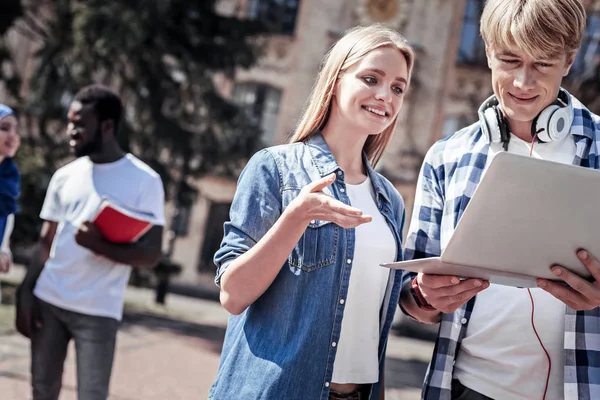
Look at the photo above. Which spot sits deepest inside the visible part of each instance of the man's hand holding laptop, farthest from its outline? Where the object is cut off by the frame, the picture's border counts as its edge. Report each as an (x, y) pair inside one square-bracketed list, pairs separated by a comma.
[(430, 295), (578, 293), (446, 293)]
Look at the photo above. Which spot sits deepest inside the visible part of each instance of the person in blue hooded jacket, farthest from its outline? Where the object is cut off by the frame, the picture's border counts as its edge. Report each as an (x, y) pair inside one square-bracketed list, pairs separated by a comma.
[(9, 181)]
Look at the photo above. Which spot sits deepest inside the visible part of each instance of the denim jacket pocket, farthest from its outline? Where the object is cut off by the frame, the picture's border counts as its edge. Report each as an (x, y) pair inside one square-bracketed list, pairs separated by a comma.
[(317, 248)]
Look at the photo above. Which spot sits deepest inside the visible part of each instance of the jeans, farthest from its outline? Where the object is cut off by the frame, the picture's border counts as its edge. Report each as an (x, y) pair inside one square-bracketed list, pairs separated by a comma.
[(461, 392), (359, 394), (95, 339)]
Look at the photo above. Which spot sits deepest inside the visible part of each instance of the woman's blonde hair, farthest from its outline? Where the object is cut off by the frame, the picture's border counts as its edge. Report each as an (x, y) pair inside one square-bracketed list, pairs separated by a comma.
[(541, 28), (347, 51)]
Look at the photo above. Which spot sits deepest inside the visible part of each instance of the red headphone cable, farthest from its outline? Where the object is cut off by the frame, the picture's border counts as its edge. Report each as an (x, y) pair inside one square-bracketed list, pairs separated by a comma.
[(533, 311), (532, 143), (541, 344)]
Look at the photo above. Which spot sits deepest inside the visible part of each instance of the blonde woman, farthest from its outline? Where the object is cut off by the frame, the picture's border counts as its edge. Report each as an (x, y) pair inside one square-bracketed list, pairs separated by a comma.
[(310, 223)]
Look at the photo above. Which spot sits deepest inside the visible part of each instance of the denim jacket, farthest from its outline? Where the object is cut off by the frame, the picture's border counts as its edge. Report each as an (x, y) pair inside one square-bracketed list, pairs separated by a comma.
[(280, 347)]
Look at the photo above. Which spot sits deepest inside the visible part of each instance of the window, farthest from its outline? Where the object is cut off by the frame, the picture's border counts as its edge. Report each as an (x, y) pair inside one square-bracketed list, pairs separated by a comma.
[(453, 124), (261, 102), (586, 59), (213, 235), (278, 15), (471, 49), (186, 198)]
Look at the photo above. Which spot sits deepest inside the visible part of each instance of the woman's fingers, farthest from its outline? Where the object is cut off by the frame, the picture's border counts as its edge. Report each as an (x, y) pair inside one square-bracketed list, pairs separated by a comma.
[(346, 221), (344, 209), (320, 184), (327, 208), (353, 221)]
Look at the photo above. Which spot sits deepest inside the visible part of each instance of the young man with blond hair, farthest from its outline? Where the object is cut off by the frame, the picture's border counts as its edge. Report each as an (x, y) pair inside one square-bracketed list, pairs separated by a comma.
[(487, 347)]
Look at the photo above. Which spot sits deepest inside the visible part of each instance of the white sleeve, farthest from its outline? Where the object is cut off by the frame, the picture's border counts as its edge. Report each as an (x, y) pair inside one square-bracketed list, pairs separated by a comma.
[(152, 200), (52, 210), (5, 240)]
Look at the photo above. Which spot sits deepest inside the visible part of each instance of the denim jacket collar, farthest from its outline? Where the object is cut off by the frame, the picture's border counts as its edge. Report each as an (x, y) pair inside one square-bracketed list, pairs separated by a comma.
[(325, 162)]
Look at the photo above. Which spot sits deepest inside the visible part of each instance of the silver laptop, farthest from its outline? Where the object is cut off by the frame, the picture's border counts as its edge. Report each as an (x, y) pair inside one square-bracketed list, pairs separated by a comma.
[(525, 216)]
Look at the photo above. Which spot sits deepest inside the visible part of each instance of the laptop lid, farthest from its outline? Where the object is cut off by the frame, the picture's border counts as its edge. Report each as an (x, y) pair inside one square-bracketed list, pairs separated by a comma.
[(528, 214)]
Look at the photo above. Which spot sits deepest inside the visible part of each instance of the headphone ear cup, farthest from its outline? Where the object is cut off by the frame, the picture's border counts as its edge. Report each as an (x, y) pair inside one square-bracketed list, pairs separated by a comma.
[(559, 124), (502, 126), (491, 119), (543, 124)]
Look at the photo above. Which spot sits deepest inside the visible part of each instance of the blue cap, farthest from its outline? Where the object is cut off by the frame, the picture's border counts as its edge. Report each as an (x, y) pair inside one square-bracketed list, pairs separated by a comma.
[(5, 110)]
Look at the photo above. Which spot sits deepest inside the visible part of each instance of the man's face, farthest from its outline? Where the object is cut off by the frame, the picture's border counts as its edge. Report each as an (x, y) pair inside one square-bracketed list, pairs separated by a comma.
[(525, 85), (83, 130)]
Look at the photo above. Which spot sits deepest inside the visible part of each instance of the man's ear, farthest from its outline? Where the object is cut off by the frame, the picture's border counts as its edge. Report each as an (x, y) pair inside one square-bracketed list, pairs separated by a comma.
[(108, 127), (488, 55), (569, 64)]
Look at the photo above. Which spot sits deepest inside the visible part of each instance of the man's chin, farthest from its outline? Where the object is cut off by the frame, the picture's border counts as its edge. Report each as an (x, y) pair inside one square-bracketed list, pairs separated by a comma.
[(80, 152), (520, 114), (75, 151)]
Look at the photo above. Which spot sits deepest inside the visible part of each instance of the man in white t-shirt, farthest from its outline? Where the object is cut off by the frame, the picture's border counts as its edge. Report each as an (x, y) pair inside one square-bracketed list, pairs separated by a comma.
[(496, 341), (77, 281)]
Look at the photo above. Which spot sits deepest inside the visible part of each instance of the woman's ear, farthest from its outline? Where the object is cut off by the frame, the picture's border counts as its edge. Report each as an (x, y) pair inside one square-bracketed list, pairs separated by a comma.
[(336, 87)]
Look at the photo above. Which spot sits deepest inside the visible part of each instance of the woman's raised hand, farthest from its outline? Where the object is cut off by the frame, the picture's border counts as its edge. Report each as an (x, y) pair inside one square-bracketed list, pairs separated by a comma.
[(314, 204)]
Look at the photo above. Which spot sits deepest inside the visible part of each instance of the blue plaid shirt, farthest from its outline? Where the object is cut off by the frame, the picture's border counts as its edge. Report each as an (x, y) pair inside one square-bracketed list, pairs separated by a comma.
[(450, 173)]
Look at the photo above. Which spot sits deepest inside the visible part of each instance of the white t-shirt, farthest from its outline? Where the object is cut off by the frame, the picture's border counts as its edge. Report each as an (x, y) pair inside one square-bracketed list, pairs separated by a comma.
[(356, 359), (74, 278), (500, 355)]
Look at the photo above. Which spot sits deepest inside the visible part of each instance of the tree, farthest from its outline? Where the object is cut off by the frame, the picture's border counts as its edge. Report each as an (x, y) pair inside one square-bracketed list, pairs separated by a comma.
[(10, 10), (163, 57)]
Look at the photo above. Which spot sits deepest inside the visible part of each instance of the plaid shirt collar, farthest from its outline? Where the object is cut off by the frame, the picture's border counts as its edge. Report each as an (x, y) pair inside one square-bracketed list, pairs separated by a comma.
[(440, 201)]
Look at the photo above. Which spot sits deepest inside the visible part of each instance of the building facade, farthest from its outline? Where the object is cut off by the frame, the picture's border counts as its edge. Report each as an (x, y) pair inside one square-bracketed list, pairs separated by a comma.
[(275, 91), (450, 81)]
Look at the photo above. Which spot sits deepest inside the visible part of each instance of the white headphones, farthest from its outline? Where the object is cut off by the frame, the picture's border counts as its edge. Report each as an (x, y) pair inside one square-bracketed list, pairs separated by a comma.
[(553, 123)]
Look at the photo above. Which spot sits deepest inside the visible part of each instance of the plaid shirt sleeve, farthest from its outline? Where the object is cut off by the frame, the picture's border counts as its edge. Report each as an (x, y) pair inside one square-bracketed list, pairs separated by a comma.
[(582, 328), (423, 239)]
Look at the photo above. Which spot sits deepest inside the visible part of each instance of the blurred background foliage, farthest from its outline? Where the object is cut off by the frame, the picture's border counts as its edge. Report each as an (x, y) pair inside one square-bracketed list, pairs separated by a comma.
[(161, 56)]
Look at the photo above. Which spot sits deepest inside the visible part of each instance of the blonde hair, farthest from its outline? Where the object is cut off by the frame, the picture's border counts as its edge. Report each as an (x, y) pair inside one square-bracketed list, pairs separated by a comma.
[(347, 51), (541, 28)]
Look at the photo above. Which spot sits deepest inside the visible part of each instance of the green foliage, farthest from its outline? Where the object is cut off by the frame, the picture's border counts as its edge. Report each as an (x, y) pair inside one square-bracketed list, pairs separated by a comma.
[(8, 74), (34, 180), (163, 58), (10, 10)]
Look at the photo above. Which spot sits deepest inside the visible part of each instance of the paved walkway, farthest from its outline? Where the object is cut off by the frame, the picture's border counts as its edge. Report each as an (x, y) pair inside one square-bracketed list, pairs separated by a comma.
[(173, 353)]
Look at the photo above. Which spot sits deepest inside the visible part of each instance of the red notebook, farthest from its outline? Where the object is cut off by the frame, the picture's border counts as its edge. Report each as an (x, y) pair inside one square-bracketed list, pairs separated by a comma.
[(119, 225)]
